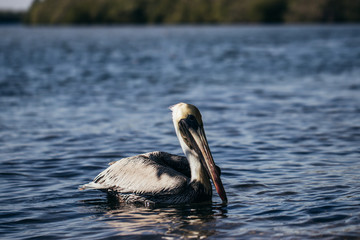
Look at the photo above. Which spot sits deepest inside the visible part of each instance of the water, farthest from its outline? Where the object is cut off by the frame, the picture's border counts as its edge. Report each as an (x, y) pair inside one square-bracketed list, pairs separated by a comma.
[(281, 108)]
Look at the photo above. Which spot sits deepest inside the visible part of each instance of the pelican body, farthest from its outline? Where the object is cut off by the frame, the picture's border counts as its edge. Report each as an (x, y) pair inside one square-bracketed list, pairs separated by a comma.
[(163, 178)]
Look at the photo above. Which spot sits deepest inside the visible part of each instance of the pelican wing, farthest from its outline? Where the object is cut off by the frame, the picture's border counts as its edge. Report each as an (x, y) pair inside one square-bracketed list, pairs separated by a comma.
[(151, 173), (178, 163)]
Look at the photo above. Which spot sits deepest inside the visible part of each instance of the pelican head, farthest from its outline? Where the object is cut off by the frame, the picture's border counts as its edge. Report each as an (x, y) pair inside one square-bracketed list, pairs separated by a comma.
[(190, 132)]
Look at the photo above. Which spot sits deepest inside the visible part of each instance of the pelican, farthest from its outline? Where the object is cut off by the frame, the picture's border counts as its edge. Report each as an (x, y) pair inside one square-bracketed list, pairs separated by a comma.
[(162, 178)]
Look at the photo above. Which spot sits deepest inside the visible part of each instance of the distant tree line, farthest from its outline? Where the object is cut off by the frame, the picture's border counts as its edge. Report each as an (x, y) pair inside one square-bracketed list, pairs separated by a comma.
[(191, 11), (11, 16)]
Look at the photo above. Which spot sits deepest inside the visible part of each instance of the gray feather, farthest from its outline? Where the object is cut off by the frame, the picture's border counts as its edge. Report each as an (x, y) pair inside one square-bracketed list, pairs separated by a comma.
[(150, 173)]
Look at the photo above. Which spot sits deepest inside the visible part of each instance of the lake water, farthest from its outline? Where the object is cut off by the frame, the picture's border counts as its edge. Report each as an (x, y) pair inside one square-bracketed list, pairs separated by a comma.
[(281, 110)]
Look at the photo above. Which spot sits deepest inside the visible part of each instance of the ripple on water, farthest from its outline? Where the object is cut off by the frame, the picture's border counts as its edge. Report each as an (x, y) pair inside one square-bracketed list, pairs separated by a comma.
[(280, 107)]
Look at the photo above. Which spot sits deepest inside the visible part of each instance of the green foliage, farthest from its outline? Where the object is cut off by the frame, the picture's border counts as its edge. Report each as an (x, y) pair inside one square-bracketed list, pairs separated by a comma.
[(191, 11), (323, 11)]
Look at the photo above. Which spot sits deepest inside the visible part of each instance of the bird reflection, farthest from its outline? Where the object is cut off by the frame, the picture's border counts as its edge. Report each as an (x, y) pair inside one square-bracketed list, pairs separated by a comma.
[(180, 221)]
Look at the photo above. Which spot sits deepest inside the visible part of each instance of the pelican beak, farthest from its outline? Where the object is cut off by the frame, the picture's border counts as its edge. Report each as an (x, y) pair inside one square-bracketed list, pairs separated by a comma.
[(194, 136)]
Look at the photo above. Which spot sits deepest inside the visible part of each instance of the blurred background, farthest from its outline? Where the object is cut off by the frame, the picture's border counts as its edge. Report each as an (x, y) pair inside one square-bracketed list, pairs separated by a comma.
[(85, 82), (179, 11)]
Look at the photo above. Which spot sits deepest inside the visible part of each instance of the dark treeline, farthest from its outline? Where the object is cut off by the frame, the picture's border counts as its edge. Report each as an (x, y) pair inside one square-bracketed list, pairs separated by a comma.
[(11, 16), (192, 11)]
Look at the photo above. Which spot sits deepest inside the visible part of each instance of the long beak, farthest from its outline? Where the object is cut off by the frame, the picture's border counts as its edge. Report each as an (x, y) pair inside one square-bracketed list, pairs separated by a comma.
[(195, 137)]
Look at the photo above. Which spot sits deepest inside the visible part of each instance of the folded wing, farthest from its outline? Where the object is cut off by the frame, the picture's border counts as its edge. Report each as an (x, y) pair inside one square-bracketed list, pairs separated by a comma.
[(146, 174)]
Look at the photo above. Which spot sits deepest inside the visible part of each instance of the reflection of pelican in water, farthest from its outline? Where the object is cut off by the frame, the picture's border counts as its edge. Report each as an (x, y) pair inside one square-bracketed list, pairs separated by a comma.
[(177, 222), (163, 178)]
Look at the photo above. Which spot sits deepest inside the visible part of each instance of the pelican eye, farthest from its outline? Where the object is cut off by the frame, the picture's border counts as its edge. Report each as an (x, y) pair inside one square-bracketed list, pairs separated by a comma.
[(192, 118), (192, 122)]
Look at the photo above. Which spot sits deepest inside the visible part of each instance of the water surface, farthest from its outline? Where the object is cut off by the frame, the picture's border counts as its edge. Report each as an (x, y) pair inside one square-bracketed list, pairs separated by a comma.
[(281, 108)]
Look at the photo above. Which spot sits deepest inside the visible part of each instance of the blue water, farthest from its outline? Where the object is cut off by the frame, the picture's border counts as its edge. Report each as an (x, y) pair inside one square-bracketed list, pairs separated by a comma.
[(281, 110)]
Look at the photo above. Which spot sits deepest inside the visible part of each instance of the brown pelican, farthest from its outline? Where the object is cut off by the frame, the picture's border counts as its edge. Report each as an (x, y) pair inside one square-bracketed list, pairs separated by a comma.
[(164, 178)]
